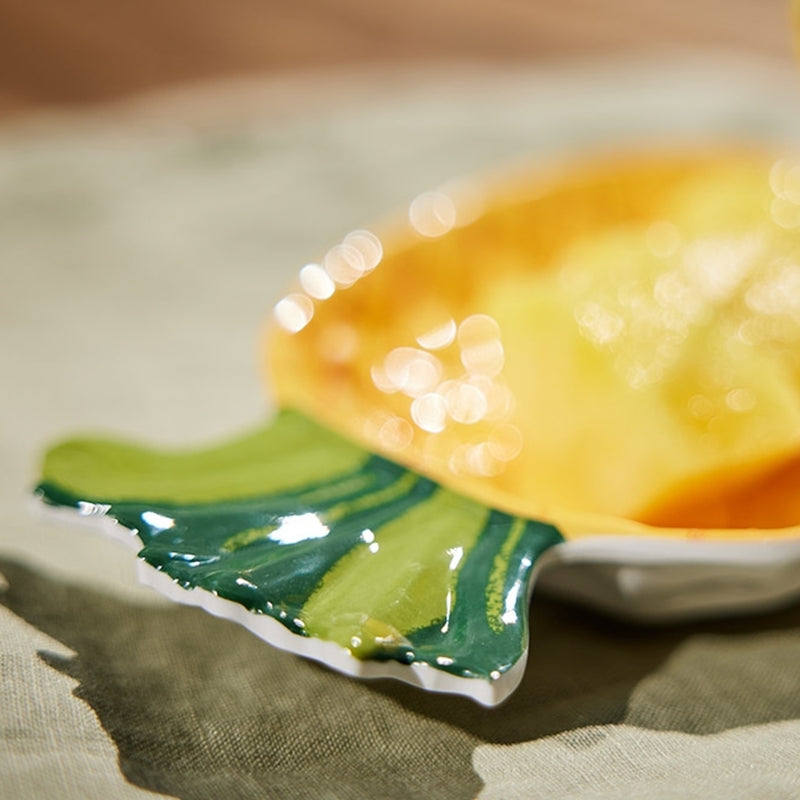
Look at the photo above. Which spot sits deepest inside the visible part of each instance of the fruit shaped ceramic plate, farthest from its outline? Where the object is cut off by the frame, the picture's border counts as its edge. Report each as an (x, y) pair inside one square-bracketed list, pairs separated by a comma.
[(589, 370)]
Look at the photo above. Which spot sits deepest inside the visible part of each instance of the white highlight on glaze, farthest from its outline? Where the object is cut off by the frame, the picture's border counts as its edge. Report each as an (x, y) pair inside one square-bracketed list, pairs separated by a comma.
[(448, 608), (86, 509), (158, 521), (456, 554), (509, 615), (299, 528)]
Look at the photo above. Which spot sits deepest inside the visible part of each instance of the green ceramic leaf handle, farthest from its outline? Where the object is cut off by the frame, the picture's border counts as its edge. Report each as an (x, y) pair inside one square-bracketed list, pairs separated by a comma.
[(334, 543)]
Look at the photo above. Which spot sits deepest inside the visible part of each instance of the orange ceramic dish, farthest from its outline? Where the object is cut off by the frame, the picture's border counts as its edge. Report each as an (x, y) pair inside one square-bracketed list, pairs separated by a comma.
[(611, 345)]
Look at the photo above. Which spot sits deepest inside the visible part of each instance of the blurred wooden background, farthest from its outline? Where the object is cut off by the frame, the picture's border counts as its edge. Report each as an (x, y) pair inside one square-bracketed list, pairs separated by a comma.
[(87, 51)]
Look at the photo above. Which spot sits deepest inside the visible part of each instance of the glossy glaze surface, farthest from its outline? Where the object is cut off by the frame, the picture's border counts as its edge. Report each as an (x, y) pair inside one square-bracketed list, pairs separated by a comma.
[(602, 345), (332, 542)]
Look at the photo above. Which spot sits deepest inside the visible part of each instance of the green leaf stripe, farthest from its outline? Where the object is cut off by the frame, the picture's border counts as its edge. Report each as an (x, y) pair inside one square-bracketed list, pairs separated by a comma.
[(331, 541)]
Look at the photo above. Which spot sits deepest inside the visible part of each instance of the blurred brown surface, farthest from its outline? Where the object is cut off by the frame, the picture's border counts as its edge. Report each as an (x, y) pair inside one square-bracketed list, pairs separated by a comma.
[(87, 51)]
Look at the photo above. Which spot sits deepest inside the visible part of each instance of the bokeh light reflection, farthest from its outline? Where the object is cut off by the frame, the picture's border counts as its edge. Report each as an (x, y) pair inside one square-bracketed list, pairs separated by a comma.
[(368, 245), (345, 264), (439, 337), (432, 214), (316, 282), (466, 403), (429, 412), (411, 371), (461, 387), (294, 312)]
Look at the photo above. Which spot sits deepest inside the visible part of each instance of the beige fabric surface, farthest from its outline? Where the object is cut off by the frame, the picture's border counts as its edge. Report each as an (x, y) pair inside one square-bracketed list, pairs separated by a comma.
[(141, 249)]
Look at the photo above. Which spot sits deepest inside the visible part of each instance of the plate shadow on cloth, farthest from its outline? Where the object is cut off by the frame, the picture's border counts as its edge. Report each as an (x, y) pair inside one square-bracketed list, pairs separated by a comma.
[(199, 707)]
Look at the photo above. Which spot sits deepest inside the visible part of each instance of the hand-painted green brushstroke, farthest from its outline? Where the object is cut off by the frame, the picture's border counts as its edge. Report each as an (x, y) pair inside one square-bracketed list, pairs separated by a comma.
[(400, 579), (248, 537), (300, 453), (369, 500), (466, 643), (335, 543), (495, 588)]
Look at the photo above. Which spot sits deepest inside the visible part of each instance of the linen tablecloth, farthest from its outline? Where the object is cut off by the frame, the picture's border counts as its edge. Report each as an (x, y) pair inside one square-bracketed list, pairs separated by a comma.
[(142, 247)]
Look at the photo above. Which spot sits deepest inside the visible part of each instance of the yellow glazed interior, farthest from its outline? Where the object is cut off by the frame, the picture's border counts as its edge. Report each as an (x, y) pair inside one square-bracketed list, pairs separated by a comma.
[(612, 345)]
